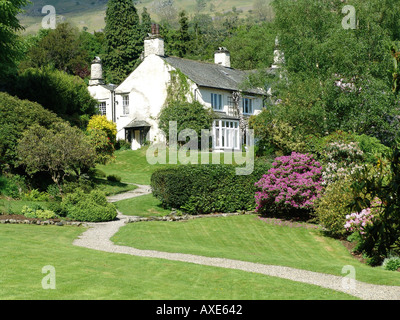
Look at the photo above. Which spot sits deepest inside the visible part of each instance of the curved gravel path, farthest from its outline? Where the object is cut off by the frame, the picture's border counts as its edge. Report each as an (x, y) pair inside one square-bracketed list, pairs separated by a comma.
[(98, 237)]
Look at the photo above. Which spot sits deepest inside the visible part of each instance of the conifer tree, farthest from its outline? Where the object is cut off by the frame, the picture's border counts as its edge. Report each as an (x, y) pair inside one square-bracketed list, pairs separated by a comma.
[(123, 40)]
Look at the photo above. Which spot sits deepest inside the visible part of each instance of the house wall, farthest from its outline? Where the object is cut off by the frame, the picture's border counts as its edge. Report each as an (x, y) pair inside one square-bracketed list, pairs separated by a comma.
[(147, 91), (203, 95), (101, 94)]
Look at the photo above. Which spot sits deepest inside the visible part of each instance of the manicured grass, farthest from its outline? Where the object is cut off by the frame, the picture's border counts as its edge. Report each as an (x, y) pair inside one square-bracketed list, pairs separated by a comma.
[(250, 239), (88, 274), (113, 187), (144, 206)]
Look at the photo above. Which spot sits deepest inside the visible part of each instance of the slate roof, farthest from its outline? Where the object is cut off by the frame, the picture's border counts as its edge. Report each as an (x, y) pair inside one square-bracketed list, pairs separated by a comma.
[(212, 75), (137, 124)]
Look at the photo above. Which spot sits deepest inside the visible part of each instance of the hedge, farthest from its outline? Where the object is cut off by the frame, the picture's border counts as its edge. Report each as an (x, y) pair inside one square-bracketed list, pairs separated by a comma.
[(200, 189)]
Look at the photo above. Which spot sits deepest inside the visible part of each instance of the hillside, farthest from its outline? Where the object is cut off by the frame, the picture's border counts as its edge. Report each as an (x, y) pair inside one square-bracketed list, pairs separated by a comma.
[(90, 13)]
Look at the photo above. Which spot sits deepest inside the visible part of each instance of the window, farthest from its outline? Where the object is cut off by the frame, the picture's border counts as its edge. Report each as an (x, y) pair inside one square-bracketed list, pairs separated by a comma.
[(125, 105), (247, 105), (226, 134), (103, 108), (216, 101)]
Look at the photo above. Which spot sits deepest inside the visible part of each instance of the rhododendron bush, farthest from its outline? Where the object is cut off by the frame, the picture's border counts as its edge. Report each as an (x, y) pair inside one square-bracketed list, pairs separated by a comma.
[(294, 182)]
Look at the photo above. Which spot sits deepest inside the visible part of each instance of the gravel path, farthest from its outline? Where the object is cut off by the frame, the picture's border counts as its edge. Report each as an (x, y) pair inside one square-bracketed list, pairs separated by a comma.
[(98, 236)]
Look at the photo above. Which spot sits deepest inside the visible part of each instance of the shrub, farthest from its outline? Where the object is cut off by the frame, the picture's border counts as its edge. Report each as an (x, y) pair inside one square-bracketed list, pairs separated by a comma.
[(333, 206), (38, 212), (36, 195), (122, 145), (90, 207), (341, 159), (12, 186), (114, 178), (391, 264), (199, 189), (294, 182)]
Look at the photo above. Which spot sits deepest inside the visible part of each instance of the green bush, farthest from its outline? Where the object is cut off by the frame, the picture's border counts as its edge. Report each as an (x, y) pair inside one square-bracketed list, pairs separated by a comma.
[(90, 207), (38, 212), (12, 186), (200, 189), (114, 178), (391, 263), (331, 209), (36, 195), (122, 145)]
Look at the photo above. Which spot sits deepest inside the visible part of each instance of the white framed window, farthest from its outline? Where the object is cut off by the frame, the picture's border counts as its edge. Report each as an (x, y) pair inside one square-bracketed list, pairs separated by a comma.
[(103, 108), (125, 104), (247, 105), (216, 101), (226, 134)]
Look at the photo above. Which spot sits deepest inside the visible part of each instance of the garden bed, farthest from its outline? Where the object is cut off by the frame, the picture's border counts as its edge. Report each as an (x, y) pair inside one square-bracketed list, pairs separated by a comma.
[(21, 219)]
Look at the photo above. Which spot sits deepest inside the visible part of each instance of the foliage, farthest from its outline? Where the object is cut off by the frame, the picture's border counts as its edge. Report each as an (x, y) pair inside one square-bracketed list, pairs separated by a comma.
[(361, 221), (102, 123), (391, 264), (16, 116), (341, 160), (10, 44), (102, 133), (123, 40), (251, 46), (199, 189), (382, 237), (294, 182), (90, 207), (187, 115), (59, 151), (38, 212), (60, 48), (275, 134), (114, 178), (64, 94), (333, 206), (12, 186)]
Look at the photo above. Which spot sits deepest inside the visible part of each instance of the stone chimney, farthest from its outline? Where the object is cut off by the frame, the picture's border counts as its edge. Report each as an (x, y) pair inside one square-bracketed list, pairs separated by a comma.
[(222, 57), (154, 44), (96, 73)]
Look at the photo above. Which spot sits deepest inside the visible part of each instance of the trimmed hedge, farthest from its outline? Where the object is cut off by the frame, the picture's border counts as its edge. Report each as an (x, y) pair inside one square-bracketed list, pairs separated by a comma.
[(200, 189)]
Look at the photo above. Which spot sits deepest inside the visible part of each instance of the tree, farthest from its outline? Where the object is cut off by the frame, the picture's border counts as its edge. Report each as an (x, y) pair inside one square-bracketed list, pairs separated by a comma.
[(183, 39), (16, 117), (187, 115), (145, 23), (336, 78), (60, 151), (10, 44), (64, 94), (123, 39), (62, 49)]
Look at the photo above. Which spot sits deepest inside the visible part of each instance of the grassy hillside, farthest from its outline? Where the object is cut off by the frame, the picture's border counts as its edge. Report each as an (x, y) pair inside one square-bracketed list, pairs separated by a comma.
[(90, 13)]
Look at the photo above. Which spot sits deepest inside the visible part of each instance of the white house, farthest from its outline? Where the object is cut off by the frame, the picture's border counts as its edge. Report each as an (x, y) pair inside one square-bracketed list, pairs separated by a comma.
[(135, 104)]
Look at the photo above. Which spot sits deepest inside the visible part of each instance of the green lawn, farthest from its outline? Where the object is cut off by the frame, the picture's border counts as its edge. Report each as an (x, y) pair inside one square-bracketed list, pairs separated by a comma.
[(250, 239), (88, 274), (143, 206)]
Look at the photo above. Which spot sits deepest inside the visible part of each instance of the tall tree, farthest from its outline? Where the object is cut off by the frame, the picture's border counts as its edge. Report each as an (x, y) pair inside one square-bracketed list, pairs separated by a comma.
[(123, 39), (146, 22), (183, 34), (62, 49), (10, 47)]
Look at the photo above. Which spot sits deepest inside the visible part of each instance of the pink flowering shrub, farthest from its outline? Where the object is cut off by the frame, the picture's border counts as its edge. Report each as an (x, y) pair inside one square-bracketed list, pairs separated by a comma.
[(294, 182), (358, 222)]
